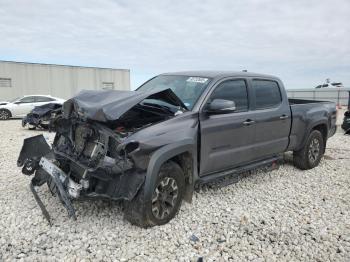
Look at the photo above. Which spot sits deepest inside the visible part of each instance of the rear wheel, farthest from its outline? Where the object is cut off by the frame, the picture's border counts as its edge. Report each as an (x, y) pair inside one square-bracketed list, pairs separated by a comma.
[(4, 114), (310, 155), (167, 195)]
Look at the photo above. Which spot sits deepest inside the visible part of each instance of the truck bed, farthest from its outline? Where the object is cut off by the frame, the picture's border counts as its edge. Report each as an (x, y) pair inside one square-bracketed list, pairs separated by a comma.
[(295, 101), (304, 112)]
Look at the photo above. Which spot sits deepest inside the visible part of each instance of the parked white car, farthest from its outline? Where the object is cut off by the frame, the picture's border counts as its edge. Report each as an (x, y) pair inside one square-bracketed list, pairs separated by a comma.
[(20, 107)]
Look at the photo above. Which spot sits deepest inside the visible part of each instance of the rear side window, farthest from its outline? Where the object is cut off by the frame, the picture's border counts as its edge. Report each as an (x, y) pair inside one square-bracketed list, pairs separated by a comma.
[(267, 94), (234, 90), (43, 99), (28, 99)]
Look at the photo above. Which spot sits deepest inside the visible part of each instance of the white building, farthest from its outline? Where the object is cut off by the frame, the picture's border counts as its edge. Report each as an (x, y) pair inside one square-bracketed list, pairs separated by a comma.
[(18, 78)]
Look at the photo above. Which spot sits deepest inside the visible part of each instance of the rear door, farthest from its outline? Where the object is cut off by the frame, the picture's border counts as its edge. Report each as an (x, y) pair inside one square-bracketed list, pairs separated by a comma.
[(227, 139), (273, 118)]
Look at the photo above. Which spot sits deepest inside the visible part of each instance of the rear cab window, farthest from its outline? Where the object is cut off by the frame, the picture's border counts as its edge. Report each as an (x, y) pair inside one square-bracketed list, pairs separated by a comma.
[(267, 94)]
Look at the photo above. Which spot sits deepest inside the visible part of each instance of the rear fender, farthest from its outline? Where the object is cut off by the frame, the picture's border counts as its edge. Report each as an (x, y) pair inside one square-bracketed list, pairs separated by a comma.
[(308, 131)]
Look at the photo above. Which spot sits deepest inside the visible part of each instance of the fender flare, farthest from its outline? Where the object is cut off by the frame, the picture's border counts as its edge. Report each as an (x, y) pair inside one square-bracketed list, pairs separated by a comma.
[(308, 131), (161, 156)]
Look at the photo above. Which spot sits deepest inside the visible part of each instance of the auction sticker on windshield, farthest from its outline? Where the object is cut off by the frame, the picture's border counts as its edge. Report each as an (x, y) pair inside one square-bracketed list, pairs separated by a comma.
[(201, 80)]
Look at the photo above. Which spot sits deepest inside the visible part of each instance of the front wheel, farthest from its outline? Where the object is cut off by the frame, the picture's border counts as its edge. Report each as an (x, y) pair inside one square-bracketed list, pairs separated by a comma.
[(167, 195), (310, 155), (4, 114)]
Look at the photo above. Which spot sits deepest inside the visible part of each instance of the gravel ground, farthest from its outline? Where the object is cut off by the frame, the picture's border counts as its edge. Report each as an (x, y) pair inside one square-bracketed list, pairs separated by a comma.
[(285, 214)]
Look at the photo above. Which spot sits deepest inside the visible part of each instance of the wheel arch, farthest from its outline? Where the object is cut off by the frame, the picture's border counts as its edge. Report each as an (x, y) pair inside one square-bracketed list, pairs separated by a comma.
[(182, 153), (323, 128), (320, 126), (7, 110)]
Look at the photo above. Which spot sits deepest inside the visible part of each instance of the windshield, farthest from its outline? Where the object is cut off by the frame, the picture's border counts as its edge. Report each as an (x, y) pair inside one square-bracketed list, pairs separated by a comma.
[(13, 100), (187, 88)]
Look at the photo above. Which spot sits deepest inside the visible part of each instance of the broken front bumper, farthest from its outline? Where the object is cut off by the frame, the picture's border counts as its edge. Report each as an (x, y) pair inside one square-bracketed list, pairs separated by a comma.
[(59, 183), (67, 189), (32, 159), (37, 157)]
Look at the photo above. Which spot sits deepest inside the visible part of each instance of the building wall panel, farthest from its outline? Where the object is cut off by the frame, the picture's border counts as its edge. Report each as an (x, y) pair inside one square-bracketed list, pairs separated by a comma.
[(57, 80)]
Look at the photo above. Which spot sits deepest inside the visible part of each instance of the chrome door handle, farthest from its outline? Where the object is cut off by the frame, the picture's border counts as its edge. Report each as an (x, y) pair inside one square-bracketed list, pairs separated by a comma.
[(248, 122), (283, 117)]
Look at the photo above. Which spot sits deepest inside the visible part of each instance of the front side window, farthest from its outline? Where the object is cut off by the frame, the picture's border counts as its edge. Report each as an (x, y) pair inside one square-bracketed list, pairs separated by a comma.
[(234, 90), (187, 88), (28, 99), (267, 94)]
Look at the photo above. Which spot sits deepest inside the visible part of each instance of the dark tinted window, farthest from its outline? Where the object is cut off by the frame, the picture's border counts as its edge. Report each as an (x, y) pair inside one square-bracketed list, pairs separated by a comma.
[(43, 99), (28, 99), (267, 94), (234, 90)]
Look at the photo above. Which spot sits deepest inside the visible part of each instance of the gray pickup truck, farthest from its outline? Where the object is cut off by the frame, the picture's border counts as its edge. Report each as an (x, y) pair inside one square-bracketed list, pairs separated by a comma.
[(149, 148)]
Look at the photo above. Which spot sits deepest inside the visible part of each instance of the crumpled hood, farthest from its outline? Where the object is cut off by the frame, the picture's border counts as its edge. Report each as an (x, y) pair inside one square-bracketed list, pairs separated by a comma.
[(110, 105)]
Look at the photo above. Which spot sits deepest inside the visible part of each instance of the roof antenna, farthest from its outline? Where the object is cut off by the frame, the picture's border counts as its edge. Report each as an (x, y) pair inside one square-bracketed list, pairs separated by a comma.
[(245, 70)]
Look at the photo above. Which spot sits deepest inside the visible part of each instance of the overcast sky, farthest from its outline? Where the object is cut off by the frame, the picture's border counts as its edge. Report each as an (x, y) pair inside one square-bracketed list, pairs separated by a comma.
[(303, 42)]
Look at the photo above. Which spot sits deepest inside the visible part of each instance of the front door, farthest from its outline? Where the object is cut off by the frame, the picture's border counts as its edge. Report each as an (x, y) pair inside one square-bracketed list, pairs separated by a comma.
[(24, 106), (227, 139)]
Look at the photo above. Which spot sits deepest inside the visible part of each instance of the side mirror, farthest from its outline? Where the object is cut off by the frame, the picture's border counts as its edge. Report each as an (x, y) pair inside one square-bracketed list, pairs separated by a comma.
[(221, 106)]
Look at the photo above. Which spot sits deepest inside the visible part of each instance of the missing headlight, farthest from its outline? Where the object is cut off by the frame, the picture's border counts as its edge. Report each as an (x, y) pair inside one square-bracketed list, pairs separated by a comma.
[(130, 147)]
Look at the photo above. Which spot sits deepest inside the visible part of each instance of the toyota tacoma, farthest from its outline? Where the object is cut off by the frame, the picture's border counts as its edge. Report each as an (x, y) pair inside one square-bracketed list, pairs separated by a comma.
[(149, 148)]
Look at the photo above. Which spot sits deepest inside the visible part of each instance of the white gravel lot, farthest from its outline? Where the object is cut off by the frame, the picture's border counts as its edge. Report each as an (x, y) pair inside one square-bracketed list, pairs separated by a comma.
[(286, 214)]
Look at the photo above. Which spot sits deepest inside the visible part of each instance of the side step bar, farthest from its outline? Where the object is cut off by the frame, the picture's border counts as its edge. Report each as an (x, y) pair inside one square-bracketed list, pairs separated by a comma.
[(235, 172)]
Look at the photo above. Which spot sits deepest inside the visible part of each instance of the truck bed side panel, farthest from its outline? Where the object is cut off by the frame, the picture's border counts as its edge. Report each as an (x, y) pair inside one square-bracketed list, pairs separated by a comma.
[(306, 116)]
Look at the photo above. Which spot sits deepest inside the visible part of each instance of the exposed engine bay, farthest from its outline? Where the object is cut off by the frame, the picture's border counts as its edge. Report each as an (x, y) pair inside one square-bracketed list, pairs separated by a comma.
[(90, 156)]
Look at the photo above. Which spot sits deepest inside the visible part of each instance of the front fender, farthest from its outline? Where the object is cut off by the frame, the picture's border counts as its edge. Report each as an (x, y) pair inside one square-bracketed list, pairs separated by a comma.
[(161, 156)]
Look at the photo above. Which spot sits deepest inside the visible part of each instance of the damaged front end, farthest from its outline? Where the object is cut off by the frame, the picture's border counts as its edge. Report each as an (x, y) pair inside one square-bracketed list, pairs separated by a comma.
[(92, 155), (41, 116)]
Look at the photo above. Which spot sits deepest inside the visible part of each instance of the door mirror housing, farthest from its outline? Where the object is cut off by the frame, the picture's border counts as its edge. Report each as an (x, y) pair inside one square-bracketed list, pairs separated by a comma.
[(221, 106)]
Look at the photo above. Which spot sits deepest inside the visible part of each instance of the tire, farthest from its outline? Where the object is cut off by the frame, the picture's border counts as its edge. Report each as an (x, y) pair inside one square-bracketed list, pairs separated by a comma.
[(310, 155), (158, 210), (4, 114), (44, 126)]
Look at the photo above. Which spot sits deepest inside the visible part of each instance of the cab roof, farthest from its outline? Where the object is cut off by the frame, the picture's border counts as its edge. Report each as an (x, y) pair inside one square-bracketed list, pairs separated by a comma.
[(220, 74)]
